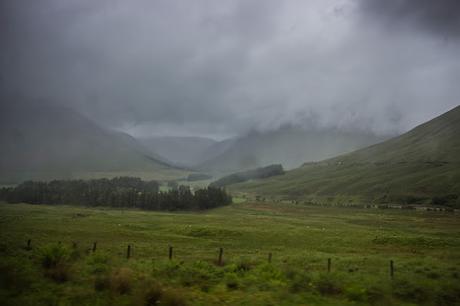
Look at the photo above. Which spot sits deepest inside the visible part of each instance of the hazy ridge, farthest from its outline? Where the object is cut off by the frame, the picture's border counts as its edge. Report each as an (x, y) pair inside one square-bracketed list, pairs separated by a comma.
[(46, 141), (421, 166)]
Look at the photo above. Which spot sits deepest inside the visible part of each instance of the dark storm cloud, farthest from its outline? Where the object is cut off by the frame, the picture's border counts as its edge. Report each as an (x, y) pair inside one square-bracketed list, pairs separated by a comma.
[(441, 17), (225, 67)]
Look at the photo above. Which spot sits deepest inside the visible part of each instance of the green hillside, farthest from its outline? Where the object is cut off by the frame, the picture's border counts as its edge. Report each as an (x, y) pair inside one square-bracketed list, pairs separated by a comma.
[(421, 166), (49, 142)]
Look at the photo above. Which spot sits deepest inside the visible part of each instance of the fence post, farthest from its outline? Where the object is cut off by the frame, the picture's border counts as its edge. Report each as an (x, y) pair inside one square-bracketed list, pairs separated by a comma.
[(28, 244), (128, 252), (328, 265), (170, 252), (221, 251), (94, 246), (392, 269), (269, 257)]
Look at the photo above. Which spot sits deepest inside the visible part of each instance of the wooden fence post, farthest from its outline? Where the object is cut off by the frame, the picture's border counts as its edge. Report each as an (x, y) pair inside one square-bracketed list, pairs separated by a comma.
[(170, 252), (392, 269), (128, 252), (28, 244), (328, 265), (94, 246), (221, 252)]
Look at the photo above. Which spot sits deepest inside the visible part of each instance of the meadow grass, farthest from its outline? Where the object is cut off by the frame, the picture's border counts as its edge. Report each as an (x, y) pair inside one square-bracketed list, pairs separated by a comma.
[(61, 268)]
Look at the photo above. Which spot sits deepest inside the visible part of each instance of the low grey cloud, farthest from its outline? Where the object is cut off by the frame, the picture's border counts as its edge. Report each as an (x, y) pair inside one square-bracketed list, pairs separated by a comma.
[(440, 17), (222, 68)]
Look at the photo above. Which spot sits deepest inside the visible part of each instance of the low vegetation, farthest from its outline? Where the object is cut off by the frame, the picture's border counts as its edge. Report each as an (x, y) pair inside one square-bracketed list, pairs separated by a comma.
[(425, 248)]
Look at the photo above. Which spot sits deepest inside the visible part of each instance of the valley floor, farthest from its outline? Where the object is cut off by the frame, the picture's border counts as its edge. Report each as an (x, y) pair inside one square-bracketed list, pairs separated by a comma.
[(60, 267)]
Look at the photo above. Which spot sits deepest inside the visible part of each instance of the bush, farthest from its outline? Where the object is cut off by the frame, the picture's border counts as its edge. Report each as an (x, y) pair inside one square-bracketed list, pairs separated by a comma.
[(54, 255), (98, 262), (409, 291), (355, 293), (121, 280), (101, 282), (328, 285), (173, 298), (59, 273), (231, 281), (299, 281), (201, 274), (242, 265), (15, 276), (55, 259), (375, 293), (153, 294), (448, 295)]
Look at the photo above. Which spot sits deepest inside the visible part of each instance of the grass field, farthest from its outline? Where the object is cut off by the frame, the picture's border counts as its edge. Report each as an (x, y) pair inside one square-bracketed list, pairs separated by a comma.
[(425, 248)]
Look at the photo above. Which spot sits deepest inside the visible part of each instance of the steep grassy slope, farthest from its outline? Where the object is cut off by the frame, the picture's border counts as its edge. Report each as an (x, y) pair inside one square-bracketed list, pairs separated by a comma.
[(289, 146), (44, 141), (421, 166)]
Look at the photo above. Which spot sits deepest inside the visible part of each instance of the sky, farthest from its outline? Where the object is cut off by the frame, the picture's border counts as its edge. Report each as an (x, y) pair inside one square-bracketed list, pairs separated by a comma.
[(224, 68)]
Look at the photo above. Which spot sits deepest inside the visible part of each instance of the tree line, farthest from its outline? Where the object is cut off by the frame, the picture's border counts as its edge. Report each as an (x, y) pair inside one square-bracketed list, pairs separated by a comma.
[(120, 192)]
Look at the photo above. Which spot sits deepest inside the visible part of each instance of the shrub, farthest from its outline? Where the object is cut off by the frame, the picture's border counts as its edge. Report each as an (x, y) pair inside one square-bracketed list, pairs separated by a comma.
[(201, 274), (121, 280), (355, 293), (54, 255), (152, 294), (60, 273), (98, 262), (15, 276), (231, 281), (375, 293), (172, 297), (448, 295), (299, 282), (243, 265), (55, 259), (101, 282), (328, 285), (409, 291)]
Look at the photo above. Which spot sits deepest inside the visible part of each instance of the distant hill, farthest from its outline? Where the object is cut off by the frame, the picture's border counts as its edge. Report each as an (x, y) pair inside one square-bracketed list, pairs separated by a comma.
[(289, 146), (184, 151), (46, 141), (421, 166)]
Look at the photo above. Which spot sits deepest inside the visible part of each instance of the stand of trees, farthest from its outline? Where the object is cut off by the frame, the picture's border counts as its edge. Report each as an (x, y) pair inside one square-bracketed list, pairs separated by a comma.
[(119, 192)]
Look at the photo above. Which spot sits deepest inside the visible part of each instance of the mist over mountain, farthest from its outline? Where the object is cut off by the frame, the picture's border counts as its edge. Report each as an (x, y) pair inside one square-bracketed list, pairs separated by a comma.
[(185, 151), (49, 141), (290, 146), (207, 68), (420, 166)]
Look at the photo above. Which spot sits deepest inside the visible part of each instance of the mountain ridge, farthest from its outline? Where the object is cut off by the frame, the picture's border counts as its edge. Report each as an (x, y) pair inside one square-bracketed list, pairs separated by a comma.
[(58, 142), (419, 166)]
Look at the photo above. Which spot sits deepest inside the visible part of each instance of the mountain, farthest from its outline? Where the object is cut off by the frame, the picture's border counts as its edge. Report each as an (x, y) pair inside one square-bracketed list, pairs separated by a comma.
[(289, 146), (46, 141), (184, 151), (420, 166)]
